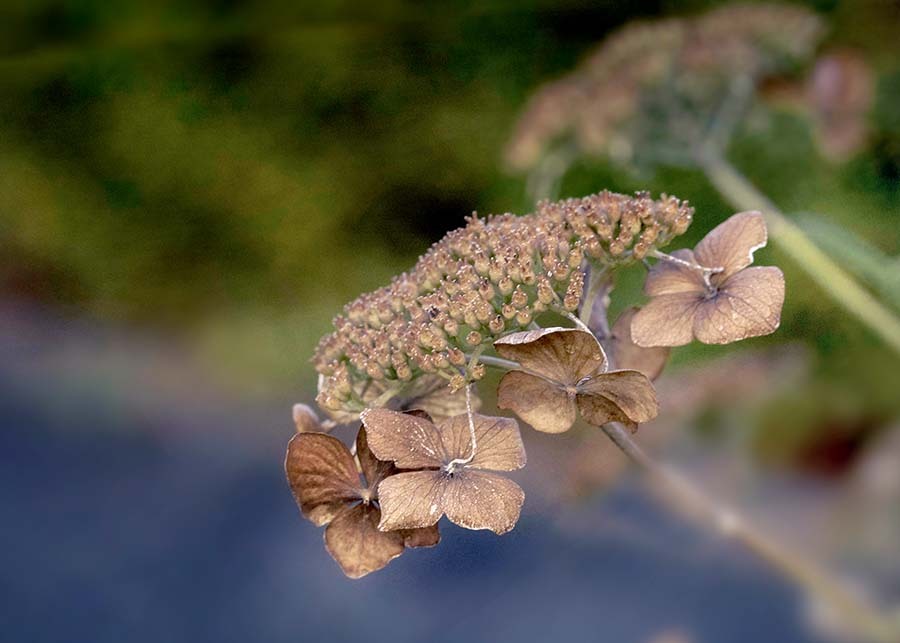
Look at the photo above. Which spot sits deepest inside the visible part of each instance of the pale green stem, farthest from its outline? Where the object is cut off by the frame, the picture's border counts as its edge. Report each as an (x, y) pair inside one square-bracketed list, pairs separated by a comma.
[(791, 239)]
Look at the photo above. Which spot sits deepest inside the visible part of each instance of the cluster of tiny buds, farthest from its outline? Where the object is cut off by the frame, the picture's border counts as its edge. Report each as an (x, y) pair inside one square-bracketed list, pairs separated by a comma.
[(482, 281)]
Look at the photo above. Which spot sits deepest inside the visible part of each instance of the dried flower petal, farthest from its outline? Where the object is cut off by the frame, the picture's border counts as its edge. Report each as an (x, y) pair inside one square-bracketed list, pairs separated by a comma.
[(470, 499), (322, 475), (564, 355), (456, 483), (563, 371), (748, 306), (305, 419), (354, 541), (542, 404), (737, 302), (624, 353), (731, 244), (617, 396)]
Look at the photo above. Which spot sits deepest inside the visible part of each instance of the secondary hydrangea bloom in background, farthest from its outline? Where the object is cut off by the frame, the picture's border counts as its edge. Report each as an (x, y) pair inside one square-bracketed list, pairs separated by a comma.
[(326, 482), (730, 304), (455, 474), (654, 88), (563, 371)]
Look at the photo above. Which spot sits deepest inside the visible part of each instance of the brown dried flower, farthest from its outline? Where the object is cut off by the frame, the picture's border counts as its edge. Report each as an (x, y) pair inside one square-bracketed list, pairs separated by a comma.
[(478, 283), (734, 303), (563, 371), (305, 419), (326, 482), (623, 353), (455, 476)]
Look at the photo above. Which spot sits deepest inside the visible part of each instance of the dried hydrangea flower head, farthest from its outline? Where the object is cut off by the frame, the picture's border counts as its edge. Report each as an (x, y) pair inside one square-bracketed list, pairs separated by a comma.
[(478, 298), (478, 283), (727, 302), (652, 90), (333, 489), (563, 371), (455, 474)]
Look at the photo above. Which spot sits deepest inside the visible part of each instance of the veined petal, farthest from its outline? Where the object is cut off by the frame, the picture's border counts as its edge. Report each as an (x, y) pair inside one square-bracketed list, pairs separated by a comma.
[(666, 320), (322, 475), (564, 355), (499, 443), (540, 403), (409, 441), (747, 305), (481, 500), (354, 541), (731, 244), (411, 500)]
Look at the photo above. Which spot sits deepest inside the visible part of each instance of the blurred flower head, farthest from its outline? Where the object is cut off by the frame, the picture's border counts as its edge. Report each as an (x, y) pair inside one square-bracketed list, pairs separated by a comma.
[(652, 90)]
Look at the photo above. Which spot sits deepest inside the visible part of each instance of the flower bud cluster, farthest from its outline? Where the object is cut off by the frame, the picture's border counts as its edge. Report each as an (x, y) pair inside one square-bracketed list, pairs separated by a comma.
[(480, 282)]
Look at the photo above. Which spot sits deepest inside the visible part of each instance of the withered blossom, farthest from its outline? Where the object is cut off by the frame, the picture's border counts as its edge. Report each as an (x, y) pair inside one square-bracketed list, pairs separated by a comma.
[(653, 88), (455, 477), (478, 283), (333, 489), (564, 371), (733, 303), (623, 353), (305, 419)]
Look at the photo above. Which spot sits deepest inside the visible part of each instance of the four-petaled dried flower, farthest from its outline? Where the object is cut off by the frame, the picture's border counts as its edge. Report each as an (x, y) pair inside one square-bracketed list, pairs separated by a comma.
[(455, 475), (734, 303), (563, 371), (326, 482)]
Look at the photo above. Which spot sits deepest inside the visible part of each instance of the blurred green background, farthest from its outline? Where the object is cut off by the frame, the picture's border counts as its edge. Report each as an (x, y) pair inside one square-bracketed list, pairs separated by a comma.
[(222, 176)]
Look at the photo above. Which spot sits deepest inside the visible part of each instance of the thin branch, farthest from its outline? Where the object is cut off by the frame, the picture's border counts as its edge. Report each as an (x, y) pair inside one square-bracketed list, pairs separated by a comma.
[(679, 492)]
